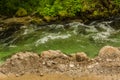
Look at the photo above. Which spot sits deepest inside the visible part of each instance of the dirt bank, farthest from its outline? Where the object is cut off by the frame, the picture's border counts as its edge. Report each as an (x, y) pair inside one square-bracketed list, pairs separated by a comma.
[(62, 77), (52, 65)]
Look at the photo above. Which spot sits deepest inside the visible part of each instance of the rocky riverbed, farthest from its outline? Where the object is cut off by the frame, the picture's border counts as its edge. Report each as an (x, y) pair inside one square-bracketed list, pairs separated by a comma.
[(52, 65)]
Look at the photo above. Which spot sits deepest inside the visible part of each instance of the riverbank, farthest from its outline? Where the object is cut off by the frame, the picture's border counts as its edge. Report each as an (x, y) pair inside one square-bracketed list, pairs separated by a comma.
[(63, 77), (81, 10), (50, 65)]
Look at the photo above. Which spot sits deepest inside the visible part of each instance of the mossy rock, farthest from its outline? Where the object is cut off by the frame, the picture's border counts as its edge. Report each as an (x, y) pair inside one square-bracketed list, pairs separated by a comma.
[(36, 21), (50, 18), (21, 12)]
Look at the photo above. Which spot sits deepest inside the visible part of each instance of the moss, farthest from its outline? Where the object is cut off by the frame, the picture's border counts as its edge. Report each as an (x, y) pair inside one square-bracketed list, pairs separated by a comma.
[(50, 18), (85, 8), (21, 12), (95, 13), (114, 11), (62, 13), (36, 20)]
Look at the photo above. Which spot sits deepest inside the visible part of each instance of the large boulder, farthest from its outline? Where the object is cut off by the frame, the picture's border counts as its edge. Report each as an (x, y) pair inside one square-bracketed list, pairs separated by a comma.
[(109, 52), (21, 61)]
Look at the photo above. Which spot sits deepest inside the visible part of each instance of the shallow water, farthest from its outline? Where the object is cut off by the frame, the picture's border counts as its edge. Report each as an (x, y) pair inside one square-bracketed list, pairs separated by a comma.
[(68, 37)]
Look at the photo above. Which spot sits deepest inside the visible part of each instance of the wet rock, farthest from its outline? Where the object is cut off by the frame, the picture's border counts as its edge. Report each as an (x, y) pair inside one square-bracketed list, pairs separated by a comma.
[(53, 54), (109, 52), (81, 56)]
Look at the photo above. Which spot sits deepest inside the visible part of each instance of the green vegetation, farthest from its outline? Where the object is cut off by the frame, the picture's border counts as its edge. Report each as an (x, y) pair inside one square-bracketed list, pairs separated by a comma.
[(117, 2), (59, 8), (21, 12)]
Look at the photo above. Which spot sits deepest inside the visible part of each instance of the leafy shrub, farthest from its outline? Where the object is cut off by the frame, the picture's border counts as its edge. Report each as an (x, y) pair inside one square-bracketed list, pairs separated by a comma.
[(117, 1), (64, 8)]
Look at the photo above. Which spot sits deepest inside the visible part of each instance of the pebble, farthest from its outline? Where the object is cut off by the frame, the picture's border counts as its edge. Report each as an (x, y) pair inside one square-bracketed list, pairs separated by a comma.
[(71, 65), (17, 75), (41, 74)]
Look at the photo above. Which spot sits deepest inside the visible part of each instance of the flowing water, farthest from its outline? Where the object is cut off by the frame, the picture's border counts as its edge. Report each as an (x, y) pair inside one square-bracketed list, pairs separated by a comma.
[(68, 37)]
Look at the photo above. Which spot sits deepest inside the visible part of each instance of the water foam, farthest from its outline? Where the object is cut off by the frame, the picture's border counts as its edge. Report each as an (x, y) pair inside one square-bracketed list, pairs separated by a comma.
[(51, 37)]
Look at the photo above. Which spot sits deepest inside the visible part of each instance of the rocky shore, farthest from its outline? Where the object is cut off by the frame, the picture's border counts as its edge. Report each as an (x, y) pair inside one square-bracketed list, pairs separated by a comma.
[(78, 65)]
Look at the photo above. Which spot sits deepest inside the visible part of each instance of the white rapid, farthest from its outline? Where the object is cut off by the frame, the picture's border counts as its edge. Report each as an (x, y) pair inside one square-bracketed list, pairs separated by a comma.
[(51, 37)]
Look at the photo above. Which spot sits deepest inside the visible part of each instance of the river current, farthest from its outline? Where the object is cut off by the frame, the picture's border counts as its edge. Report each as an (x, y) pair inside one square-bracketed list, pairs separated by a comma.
[(68, 37)]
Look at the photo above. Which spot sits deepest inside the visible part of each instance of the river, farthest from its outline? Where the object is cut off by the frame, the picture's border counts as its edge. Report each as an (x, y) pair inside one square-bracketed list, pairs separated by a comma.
[(69, 37)]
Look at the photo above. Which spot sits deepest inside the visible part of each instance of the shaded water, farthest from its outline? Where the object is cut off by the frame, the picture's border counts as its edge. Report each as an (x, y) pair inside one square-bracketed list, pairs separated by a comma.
[(68, 37)]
